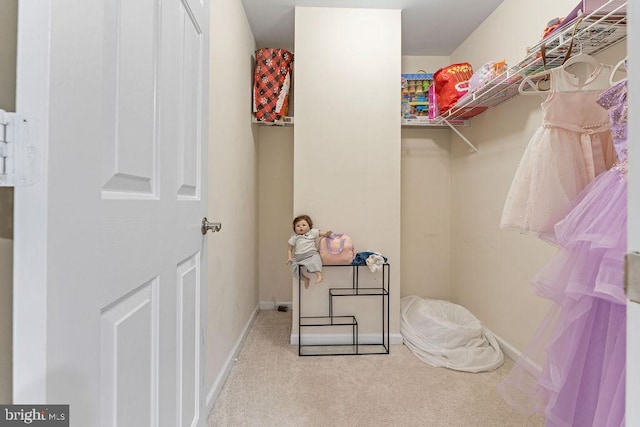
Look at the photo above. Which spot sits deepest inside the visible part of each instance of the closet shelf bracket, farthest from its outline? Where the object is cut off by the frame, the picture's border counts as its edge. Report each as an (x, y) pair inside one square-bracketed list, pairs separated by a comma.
[(464, 138)]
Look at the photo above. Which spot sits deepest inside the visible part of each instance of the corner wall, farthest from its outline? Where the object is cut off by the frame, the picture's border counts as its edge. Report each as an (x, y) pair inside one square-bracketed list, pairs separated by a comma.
[(233, 195), (275, 206), (426, 201), (347, 135), (426, 213)]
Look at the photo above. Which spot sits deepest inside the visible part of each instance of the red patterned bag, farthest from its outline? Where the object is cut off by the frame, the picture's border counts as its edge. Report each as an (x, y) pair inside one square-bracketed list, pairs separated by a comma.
[(447, 84), (271, 82)]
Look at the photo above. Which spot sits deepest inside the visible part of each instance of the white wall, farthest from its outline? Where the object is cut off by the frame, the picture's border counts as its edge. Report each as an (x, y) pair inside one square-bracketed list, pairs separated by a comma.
[(491, 268), (233, 197), (426, 201), (275, 207), (426, 213), (8, 29), (429, 64), (347, 133)]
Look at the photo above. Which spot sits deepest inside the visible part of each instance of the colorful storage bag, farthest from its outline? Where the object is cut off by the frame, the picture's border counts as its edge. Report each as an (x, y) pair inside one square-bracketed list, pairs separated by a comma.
[(337, 249), (446, 79), (271, 83)]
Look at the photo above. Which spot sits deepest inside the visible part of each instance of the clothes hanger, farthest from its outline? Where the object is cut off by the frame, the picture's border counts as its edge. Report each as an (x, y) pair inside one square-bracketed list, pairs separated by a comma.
[(581, 58), (534, 84), (588, 69), (620, 66)]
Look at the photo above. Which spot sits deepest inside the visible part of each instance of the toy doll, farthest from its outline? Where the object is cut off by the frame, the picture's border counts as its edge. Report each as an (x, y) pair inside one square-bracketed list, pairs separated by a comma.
[(303, 250)]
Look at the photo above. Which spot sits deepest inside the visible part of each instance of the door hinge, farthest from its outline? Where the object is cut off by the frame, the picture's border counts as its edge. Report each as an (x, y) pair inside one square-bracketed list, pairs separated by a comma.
[(19, 151), (632, 276)]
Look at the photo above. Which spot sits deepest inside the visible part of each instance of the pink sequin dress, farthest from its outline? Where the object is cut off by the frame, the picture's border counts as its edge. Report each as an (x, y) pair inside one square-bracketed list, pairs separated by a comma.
[(571, 147), (581, 345)]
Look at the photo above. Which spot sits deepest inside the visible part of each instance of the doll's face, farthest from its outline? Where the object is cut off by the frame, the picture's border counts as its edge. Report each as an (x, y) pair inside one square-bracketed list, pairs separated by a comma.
[(302, 226)]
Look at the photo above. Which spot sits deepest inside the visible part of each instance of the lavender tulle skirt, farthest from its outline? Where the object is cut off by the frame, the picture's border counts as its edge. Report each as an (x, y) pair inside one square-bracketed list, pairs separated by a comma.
[(573, 373)]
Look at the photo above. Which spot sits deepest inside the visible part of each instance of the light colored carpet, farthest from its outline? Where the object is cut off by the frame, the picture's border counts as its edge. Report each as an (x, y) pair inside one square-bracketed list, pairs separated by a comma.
[(270, 385)]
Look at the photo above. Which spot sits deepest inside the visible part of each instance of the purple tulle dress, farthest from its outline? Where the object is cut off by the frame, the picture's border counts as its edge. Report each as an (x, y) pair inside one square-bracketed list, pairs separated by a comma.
[(573, 373)]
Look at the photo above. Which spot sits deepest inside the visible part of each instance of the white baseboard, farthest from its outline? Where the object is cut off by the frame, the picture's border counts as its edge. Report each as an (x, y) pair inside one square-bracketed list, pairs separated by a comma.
[(344, 339), (510, 351), (514, 354), (228, 364), (396, 339), (264, 305)]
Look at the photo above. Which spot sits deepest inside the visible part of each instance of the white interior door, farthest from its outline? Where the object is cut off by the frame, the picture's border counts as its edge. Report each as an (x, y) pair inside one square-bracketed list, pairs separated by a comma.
[(109, 258)]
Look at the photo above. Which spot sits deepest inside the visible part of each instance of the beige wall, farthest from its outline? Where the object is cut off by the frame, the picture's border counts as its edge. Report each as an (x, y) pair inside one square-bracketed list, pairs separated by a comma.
[(6, 292), (275, 207), (490, 267), (8, 28), (426, 201), (347, 134), (430, 64), (426, 213), (233, 197)]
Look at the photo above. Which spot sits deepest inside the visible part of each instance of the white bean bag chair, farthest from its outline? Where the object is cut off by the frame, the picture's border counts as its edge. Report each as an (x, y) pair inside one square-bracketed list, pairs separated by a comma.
[(444, 334)]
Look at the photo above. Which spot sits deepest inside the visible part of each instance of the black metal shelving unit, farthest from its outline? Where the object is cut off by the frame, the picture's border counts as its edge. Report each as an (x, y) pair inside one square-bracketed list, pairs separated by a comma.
[(355, 347)]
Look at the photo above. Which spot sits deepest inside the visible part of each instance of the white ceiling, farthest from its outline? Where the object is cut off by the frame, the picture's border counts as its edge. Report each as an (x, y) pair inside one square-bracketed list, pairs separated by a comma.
[(429, 27)]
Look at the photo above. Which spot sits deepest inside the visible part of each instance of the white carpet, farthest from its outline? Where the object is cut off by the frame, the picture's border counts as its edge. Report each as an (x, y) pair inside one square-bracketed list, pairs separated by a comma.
[(270, 385)]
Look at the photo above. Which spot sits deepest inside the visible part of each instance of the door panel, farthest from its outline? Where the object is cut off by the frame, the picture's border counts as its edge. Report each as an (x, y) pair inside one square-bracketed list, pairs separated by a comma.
[(132, 32), (190, 105), (188, 332), (116, 261), (129, 355)]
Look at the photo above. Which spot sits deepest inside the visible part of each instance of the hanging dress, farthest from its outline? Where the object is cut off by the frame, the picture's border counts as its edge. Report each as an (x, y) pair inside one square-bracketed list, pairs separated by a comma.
[(581, 345), (571, 147)]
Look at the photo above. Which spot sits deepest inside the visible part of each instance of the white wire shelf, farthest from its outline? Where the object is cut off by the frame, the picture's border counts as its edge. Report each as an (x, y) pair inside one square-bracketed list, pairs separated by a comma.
[(409, 123), (594, 33), (289, 121), (432, 123), (285, 121)]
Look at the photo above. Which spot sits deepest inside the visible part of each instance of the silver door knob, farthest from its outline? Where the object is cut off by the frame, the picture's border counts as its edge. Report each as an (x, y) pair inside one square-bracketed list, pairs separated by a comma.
[(213, 226)]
